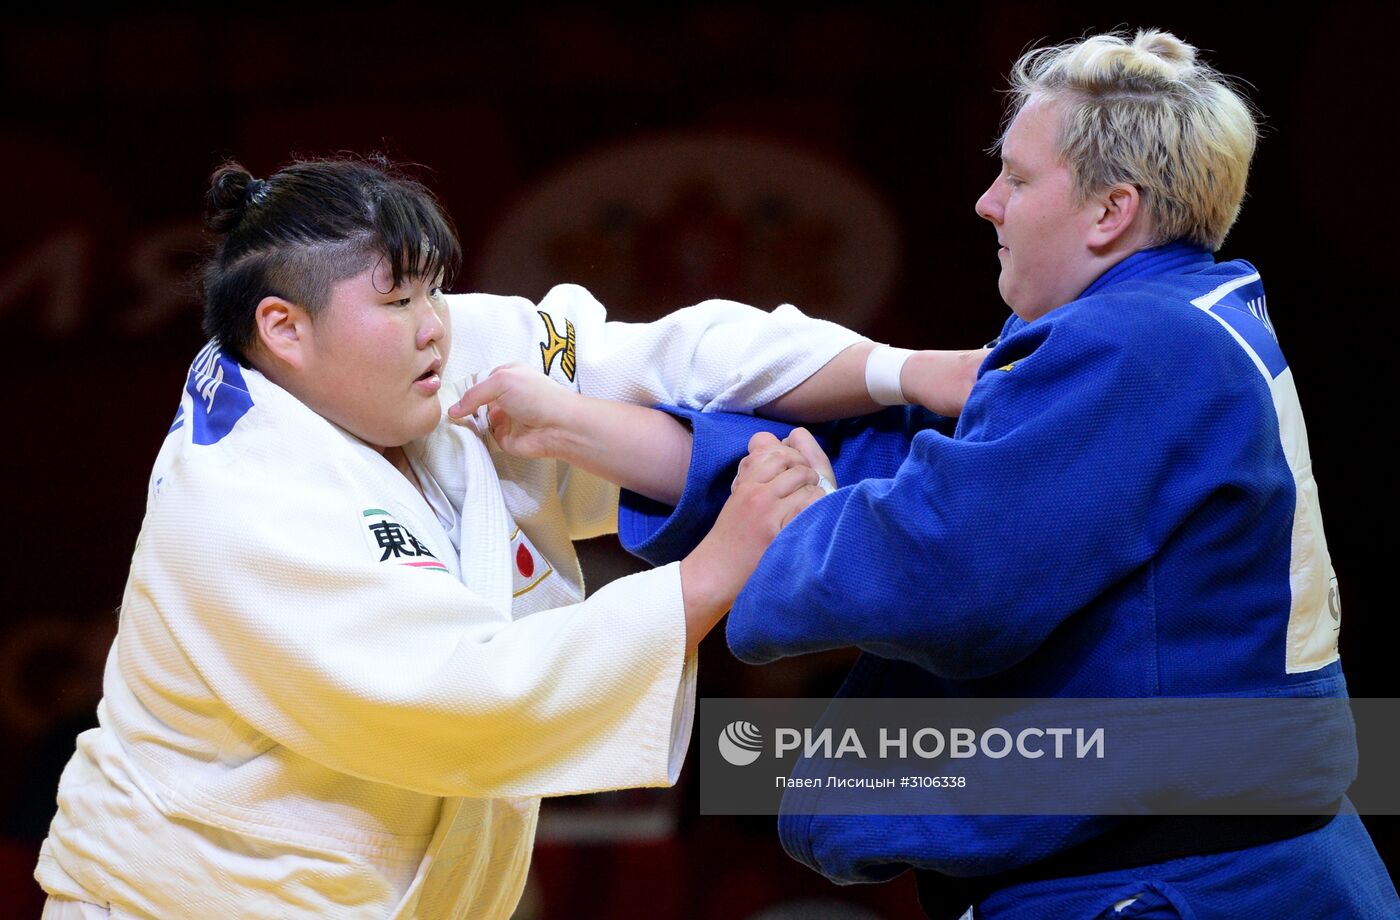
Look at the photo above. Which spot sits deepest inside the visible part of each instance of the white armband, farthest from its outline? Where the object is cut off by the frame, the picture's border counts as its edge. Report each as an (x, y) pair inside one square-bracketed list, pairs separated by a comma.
[(882, 368)]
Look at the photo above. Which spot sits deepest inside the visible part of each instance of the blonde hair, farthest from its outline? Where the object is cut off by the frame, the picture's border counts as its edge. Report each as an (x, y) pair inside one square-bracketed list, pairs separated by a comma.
[(1145, 112)]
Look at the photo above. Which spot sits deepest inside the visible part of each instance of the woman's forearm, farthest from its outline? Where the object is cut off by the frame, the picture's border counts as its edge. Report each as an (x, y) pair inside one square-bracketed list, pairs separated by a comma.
[(937, 380), (640, 449)]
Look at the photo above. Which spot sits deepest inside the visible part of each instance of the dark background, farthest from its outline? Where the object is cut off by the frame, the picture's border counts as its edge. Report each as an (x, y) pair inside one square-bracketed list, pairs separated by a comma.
[(545, 132)]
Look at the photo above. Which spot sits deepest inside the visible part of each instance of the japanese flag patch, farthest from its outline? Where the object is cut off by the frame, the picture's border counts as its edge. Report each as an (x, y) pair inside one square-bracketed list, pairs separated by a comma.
[(528, 567), (393, 543)]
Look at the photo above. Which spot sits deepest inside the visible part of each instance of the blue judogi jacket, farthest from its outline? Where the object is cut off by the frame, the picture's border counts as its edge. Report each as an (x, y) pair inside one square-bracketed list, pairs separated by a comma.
[(1124, 508)]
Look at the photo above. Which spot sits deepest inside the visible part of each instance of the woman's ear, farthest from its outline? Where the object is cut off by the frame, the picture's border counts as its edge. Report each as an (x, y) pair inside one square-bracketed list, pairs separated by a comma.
[(283, 330), (1120, 216)]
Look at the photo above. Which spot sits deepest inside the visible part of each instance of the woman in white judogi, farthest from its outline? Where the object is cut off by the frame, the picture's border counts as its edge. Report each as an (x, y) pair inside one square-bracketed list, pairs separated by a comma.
[(331, 692)]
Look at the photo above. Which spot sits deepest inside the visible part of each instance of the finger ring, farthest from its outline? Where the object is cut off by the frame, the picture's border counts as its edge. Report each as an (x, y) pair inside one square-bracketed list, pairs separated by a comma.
[(825, 484)]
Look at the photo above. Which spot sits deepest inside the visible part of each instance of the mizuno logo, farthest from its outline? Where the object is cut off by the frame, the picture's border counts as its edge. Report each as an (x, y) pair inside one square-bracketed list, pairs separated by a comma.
[(556, 344)]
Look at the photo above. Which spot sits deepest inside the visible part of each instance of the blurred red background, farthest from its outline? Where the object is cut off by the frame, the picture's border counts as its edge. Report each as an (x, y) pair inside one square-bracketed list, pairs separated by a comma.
[(828, 156)]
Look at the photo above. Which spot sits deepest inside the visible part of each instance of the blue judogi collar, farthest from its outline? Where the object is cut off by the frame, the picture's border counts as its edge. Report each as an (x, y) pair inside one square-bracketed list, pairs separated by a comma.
[(1176, 257)]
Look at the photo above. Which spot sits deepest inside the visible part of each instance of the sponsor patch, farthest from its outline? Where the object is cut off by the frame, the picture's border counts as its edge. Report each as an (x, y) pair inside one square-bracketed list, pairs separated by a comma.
[(394, 543), (556, 345)]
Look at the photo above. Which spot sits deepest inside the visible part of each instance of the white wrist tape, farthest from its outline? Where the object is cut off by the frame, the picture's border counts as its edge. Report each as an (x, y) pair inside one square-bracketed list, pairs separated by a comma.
[(882, 368)]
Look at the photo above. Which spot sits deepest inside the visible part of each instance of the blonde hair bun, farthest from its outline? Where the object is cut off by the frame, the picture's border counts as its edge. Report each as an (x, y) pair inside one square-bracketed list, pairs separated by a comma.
[(1145, 111)]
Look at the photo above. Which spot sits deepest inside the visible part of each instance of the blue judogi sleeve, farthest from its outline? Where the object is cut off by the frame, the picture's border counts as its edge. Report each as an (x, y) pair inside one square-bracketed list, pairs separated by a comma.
[(870, 446)]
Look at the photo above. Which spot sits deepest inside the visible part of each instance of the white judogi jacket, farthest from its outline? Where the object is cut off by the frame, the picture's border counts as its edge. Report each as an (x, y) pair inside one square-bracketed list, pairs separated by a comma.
[(327, 700)]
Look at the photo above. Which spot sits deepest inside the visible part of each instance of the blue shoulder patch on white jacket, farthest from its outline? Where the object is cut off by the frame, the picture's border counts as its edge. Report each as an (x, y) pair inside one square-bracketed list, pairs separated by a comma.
[(219, 394)]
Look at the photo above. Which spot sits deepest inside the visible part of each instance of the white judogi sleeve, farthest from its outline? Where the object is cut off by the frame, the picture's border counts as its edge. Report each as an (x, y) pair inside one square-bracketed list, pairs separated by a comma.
[(717, 355)]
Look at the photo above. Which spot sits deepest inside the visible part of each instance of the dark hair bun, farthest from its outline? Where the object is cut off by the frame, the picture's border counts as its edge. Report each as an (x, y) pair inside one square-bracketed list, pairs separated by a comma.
[(227, 198)]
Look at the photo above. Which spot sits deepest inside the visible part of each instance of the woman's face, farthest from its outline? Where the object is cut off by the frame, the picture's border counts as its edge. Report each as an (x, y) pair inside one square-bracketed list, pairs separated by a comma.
[(1043, 230), (375, 355)]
